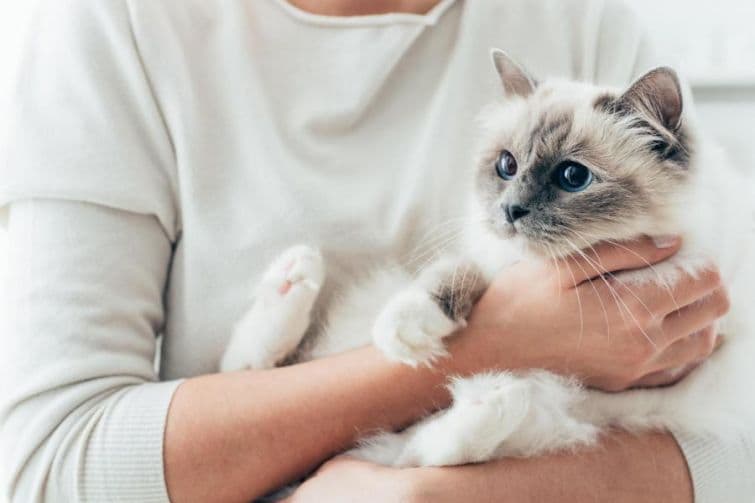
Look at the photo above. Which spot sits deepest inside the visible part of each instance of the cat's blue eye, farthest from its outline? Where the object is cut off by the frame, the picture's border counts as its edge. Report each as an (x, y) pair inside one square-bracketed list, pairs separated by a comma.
[(573, 177), (506, 165)]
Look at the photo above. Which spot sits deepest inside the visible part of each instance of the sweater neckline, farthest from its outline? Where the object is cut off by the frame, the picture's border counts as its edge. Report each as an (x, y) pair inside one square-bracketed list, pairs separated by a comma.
[(430, 18)]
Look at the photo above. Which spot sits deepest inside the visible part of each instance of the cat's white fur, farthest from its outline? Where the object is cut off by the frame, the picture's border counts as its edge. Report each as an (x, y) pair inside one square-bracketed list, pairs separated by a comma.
[(524, 414)]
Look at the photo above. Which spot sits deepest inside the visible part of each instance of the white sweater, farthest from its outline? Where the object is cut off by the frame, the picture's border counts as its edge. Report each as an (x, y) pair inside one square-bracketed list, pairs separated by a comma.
[(163, 151)]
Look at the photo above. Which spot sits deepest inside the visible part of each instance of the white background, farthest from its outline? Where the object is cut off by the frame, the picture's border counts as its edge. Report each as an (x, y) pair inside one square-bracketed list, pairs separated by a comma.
[(713, 43)]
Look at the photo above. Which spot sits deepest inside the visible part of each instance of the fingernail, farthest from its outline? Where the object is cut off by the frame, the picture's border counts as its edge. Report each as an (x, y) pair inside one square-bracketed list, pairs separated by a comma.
[(665, 241)]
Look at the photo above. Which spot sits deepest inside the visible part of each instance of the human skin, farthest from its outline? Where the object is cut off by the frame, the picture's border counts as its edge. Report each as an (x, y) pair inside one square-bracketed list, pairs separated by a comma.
[(624, 469), (351, 8), (236, 436)]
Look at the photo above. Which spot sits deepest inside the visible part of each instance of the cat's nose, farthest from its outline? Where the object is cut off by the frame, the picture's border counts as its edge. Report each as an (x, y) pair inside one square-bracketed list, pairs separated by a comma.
[(514, 212)]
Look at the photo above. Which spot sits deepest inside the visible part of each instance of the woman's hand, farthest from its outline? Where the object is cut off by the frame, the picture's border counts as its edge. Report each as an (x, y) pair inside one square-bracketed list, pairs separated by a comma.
[(571, 317), (345, 479)]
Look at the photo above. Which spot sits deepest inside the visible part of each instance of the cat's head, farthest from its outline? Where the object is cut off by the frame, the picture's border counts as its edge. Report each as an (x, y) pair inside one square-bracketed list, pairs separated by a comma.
[(567, 164)]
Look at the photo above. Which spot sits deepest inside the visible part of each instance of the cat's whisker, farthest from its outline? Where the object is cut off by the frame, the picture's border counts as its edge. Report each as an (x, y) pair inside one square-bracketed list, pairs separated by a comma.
[(432, 250), (429, 243), (632, 292), (629, 311), (611, 289), (464, 285), (598, 265), (558, 270), (602, 306), (429, 237), (661, 280), (658, 275), (579, 304), (441, 240), (432, 234), (453, 283), (431, 257)]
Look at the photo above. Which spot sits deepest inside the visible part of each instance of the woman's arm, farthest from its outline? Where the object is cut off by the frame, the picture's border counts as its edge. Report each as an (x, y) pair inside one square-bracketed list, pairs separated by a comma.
[(623, 469), (82, 413), (257, 430)]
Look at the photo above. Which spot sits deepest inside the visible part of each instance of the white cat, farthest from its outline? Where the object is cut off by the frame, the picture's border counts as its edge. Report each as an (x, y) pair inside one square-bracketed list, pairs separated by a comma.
[(563, 165)]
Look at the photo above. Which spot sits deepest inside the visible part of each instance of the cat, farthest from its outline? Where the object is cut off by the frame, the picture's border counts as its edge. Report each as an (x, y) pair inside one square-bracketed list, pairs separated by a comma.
[(563, 165)]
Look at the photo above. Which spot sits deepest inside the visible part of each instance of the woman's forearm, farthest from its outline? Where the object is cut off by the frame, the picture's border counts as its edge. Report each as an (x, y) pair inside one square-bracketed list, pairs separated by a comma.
[(623, 468), (236, 436)]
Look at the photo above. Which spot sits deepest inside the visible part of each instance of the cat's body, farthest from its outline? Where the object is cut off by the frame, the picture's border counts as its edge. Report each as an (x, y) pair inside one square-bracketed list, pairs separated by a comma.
[(652, 177)]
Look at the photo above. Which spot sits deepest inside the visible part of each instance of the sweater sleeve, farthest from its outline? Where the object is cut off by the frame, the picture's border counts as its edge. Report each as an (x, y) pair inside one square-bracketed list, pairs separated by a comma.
[(84, 416), (89, 177), (722, 468), (83, 121)]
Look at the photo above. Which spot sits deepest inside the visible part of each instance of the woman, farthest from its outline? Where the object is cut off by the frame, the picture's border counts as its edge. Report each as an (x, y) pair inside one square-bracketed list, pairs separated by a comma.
[(163, 152)]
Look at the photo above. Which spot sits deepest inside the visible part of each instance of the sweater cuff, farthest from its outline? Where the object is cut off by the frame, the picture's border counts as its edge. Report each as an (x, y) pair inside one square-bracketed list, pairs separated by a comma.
[(124, 456), (721, 469)]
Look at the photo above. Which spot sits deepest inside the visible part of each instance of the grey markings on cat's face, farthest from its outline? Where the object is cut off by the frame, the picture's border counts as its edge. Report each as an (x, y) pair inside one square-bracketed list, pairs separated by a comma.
[(635, 144)]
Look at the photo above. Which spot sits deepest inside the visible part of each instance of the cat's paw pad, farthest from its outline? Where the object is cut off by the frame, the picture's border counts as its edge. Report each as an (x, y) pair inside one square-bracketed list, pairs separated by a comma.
[(305, 268), (299, 266), (411, 328)]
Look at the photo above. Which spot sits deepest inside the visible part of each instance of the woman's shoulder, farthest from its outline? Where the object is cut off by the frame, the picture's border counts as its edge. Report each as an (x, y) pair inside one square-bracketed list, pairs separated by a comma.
[(83, 122), (87, 18)]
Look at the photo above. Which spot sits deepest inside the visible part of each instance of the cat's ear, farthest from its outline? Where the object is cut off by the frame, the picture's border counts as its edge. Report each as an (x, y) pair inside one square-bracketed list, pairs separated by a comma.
[(515, 80), (657, 95)]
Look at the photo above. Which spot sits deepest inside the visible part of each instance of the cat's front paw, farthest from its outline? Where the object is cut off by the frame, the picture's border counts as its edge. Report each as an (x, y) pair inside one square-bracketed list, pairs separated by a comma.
[(411, 328), (300, 267), (276, 321)]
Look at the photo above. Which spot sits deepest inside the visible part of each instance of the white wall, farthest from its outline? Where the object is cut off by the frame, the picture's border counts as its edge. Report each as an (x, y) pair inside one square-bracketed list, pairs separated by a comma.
[(713, 44), (714, 41)]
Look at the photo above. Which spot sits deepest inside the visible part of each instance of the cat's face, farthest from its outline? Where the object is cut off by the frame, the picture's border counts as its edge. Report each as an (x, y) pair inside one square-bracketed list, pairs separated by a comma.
[(565, 165)]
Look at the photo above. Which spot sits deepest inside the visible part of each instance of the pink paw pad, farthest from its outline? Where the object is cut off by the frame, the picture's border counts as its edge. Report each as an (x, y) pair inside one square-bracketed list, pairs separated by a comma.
[(286, 286)]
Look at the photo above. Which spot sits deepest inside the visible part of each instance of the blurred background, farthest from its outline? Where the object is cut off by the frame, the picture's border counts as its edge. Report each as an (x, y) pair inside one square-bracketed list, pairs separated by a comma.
[(713, 44)]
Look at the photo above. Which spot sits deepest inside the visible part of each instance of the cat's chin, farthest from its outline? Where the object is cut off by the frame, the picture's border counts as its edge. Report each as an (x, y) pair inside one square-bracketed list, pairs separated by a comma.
[(541, 249)]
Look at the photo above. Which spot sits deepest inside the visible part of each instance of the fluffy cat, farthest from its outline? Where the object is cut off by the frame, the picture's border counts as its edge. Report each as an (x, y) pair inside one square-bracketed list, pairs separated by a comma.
[(563, 165)]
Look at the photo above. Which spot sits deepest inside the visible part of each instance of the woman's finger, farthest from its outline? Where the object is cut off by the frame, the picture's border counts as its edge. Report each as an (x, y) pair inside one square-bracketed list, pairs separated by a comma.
[(694, 317), (686, 351), (660, 301), (607, 258), (663, 378), (685, 290)]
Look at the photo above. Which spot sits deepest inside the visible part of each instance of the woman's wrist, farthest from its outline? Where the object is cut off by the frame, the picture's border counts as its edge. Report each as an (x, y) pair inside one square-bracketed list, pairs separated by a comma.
[(478, 349)]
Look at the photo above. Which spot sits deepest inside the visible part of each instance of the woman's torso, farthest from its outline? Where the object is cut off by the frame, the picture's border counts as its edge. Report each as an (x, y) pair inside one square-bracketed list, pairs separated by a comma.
[(352, 134)]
